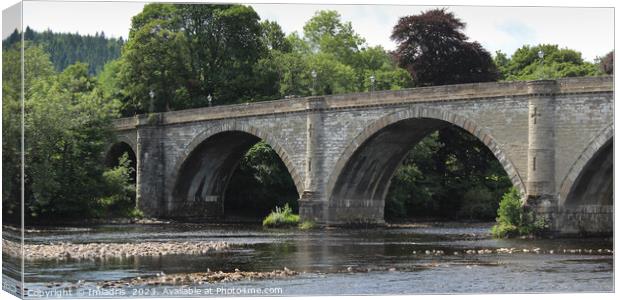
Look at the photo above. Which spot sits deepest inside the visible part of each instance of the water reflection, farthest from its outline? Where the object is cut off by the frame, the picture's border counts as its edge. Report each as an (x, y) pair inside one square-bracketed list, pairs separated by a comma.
[(449, 258)]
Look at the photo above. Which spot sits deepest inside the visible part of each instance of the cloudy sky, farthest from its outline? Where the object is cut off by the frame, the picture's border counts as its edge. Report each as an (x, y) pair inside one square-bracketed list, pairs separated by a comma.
[(588, 30)]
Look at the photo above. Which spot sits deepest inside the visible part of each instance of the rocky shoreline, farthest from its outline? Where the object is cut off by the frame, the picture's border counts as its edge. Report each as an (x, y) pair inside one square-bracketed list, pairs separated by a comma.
[(180, 279), (199, 278), (65, 251)]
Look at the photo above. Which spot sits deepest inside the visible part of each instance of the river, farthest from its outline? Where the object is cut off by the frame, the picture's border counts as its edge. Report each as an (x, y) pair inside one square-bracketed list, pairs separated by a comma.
[(407, 259)]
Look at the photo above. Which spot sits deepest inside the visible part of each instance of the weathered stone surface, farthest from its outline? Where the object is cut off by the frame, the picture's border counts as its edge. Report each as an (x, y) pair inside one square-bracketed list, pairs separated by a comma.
[(342, 150)]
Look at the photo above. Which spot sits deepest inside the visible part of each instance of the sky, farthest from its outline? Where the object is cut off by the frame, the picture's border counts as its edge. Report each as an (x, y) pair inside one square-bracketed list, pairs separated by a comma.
[(588, 30)]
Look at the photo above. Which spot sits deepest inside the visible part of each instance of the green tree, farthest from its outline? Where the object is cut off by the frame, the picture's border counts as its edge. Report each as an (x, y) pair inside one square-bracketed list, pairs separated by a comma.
[(119, 198), (110, 85), (155, 67), (274, 38), (326, 33), (298, 44), (526, 64), (37, 66), (285, 74), (333, 77), (66, 128), (336, 54), (225, 41), (377, 62), (183, 53), (164, 13), (502, 62)]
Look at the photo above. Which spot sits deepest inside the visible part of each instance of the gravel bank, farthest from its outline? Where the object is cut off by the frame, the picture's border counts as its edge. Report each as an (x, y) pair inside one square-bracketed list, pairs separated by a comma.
[(109, 250)]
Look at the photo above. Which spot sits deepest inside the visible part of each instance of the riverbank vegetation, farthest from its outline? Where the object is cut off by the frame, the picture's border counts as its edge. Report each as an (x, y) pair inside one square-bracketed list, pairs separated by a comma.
[(67, 127), (513, 219), (171, 62), (281, 217)]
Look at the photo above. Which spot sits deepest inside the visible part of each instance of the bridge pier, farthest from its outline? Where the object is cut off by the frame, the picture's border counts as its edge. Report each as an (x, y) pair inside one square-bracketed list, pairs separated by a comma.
[(312, 201), (540, 185), (150, 178), (311, 207)]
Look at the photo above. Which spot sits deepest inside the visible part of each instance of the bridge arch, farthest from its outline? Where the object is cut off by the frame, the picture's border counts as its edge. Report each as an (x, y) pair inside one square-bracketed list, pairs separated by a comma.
[(206, 165), (115, 149), (357, 156), (593, 166)]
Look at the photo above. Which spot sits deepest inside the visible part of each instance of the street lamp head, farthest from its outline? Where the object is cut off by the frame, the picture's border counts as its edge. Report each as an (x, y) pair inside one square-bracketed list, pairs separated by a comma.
[(313, 73), (151, 94), (372, 78), (541, 54)]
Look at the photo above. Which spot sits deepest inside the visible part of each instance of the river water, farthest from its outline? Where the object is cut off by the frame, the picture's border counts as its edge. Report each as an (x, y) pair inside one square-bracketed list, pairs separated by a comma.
[(335, 261)]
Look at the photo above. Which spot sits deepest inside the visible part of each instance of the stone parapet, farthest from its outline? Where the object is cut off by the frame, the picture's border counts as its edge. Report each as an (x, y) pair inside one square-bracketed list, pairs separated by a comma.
[(457, 92)]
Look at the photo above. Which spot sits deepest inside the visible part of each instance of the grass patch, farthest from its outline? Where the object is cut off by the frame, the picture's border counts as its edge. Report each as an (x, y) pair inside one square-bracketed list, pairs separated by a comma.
[(281, 217)]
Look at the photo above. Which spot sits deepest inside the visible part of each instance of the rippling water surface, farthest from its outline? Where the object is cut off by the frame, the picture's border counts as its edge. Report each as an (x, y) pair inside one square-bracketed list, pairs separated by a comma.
[(333, 261)]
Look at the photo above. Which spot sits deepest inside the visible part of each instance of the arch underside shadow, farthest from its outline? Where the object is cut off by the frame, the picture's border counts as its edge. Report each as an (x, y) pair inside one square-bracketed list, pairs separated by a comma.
[(586, 202), (122, 139), (114, 152), (112, 159), (362, 176), (594, 185), (593, 157), (203, 175)]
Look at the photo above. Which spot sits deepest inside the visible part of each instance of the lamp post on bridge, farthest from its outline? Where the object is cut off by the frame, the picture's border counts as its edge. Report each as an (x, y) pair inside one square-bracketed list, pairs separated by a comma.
[(313, 74), (210, 99), (541, 55), (372, 83), (151, 103)]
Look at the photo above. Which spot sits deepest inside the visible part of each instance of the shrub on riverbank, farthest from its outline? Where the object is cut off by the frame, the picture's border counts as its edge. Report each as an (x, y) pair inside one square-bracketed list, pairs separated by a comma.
[(117, 184), (513, 219), (281, 217)]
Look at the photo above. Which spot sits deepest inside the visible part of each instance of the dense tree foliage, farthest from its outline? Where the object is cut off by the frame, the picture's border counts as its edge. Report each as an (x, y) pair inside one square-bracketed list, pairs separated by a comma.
[(178, 55), (326, 33), (66, 127), (274, 38), (182, 53), (526, 64), (435, 51), (65, 49), (449, 174), (337, 55), (260, 183)]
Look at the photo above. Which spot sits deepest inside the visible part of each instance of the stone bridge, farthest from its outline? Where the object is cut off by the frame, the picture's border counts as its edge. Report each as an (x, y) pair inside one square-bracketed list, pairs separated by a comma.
[(554, 139)]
